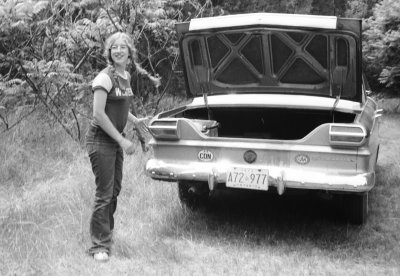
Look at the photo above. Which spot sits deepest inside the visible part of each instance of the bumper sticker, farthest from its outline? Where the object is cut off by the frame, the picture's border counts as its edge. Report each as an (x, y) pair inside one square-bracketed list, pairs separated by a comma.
[(302, 159), (205, 155)]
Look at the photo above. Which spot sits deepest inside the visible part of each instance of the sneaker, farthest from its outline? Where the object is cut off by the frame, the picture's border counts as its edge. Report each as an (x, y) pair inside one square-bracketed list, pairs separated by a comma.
[(101, 256)]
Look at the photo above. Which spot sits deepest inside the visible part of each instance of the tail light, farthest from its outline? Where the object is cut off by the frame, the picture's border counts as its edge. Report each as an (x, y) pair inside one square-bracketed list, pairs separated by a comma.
[(347, 134), (165, 129)]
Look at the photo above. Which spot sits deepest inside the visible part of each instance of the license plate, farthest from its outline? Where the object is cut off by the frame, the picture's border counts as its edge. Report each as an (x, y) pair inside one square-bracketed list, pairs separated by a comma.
[(247, 178)]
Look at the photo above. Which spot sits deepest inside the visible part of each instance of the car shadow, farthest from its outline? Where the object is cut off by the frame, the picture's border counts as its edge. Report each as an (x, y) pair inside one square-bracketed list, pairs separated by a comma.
[(268, 218), (292, 209)]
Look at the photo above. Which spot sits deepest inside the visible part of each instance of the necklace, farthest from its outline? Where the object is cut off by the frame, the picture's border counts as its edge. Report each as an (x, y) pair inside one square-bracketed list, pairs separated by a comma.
[(124, 75)]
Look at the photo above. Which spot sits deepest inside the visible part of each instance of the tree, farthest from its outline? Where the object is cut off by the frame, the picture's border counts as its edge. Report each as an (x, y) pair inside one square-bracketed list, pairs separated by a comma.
[(331, 7), (382, 44), (50, 51), (359, 9), (241, 6)]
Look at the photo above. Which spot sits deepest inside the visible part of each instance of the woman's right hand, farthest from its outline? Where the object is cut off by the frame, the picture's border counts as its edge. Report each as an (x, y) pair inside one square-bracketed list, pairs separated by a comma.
[(127, 146)]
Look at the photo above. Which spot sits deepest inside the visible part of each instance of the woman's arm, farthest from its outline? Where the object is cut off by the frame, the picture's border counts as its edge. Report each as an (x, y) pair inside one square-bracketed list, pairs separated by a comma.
[(102, 120), (132, 118), (141, 128)]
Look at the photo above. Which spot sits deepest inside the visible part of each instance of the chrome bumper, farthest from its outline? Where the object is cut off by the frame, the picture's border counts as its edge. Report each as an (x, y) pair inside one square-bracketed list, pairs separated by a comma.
[(279, 177)]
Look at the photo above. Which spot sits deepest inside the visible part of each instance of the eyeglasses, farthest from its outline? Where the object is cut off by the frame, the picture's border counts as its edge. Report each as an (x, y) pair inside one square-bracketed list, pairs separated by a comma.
[(121, 47)]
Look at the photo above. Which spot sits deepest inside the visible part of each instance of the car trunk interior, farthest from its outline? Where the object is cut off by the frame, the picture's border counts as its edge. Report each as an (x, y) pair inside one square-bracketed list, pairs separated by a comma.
[(266, 123)]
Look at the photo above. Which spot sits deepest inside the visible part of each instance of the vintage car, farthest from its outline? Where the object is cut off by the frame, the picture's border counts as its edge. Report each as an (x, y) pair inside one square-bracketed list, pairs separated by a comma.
[(279, 103)]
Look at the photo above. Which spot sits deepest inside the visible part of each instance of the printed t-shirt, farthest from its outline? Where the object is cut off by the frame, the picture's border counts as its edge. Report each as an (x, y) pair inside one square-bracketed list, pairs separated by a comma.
[(119, 96)]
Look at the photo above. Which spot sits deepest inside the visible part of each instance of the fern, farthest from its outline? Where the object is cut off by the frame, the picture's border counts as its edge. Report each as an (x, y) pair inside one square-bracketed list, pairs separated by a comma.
[(26, 9), (179, 3), (39, 6), (12, 82), (159, 13)]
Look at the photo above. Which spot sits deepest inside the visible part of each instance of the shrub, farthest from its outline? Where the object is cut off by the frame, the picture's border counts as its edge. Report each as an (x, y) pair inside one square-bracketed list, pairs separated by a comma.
[(382, 44)]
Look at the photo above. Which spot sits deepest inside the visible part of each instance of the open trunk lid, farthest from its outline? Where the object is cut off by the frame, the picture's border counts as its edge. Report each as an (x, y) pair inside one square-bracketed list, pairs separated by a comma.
[(266, 53)]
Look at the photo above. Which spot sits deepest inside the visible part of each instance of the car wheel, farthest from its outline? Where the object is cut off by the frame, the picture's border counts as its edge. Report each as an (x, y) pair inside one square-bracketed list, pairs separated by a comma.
[(193, 194), (356, 207)]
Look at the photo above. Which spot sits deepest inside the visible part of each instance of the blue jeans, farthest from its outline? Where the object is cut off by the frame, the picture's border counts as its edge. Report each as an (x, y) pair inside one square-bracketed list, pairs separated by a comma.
[(106, 157)]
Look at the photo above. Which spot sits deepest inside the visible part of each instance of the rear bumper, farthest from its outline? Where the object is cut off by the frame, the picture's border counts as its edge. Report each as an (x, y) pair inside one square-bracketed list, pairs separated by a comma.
[(279, 177)]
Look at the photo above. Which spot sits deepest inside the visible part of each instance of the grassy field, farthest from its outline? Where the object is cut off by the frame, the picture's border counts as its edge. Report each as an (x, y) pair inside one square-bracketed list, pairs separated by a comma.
[(46, 195)]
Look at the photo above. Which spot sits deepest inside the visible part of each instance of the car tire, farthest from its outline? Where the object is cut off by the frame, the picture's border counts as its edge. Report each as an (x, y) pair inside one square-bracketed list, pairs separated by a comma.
[(193, 194), (356, 207)]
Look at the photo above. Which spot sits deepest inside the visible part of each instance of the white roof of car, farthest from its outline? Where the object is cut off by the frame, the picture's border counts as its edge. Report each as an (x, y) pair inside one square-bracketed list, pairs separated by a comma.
[(275, 19)]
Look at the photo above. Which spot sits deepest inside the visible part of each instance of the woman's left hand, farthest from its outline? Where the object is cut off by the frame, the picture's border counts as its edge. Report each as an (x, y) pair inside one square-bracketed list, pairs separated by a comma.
[(142, 124)]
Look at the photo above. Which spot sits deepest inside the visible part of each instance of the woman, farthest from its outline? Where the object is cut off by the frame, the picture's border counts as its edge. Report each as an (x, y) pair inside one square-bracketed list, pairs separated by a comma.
[(105, 140)]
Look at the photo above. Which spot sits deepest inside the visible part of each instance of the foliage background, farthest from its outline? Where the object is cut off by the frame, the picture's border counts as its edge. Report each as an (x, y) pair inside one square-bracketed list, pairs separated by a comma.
[(51, 50)]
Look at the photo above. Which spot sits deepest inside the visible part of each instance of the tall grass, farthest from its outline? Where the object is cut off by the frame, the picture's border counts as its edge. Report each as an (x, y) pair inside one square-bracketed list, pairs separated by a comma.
[(46, 196), (38, 187)]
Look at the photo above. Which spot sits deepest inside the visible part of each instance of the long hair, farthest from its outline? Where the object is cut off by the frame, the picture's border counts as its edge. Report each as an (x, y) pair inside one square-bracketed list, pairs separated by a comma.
[(132, 54)]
